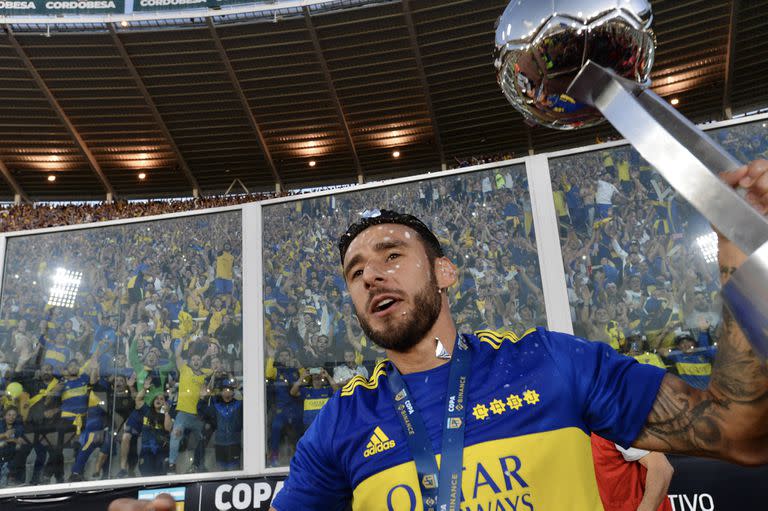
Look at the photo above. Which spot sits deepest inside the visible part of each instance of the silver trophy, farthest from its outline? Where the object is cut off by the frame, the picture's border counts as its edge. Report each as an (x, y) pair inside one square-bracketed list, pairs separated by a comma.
[(570, 64)]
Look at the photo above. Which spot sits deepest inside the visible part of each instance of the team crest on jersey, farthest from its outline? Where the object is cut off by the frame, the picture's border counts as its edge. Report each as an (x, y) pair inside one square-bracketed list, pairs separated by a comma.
[(400, 395), (379, 442)]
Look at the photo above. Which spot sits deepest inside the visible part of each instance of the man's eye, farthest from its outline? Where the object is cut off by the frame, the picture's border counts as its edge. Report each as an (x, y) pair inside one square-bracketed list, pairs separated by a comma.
[(357, 273), (392, 256)]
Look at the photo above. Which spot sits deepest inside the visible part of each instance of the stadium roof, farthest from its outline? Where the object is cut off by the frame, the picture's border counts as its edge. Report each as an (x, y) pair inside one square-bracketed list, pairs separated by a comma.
[(198, 103)]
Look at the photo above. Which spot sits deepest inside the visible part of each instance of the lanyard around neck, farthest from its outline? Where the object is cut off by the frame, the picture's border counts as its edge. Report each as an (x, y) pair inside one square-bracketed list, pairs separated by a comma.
[(440, 489)]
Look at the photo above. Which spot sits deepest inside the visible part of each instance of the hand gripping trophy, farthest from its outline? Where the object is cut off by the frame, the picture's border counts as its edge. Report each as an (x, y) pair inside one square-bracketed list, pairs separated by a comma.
[(570, 64)]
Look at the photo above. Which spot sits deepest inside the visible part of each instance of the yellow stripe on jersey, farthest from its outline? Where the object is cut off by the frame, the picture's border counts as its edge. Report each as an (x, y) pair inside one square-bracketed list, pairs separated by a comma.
[(55, 354), (315, 404), (650, 359), (74, 392), (496, 337), (359, 381), (694, 369), (511, 473)]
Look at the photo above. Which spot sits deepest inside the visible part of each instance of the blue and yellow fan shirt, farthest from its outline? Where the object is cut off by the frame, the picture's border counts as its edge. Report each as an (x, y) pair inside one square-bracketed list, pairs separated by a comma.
[(531, 405)]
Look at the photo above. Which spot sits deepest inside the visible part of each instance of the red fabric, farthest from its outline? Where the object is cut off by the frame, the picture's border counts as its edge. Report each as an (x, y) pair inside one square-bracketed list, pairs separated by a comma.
[(620, 483)]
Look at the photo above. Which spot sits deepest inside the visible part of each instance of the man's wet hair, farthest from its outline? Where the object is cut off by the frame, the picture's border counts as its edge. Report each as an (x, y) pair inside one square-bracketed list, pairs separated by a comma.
[(385, 216)]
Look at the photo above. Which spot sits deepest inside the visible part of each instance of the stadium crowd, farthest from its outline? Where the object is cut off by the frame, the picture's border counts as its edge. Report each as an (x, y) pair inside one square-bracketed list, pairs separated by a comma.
[(121, 350), (640, 263), (470, 161), (20, 217)]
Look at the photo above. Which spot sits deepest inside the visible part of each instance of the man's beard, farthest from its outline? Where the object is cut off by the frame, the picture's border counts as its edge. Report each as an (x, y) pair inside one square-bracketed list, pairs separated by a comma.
[(404, 336)]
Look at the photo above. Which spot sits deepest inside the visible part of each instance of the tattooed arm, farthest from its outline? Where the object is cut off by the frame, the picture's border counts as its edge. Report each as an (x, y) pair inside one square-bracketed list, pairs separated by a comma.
[(729, 420)]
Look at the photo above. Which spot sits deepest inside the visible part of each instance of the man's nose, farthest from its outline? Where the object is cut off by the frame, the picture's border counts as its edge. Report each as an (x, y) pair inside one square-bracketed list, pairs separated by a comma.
[(373, 272)]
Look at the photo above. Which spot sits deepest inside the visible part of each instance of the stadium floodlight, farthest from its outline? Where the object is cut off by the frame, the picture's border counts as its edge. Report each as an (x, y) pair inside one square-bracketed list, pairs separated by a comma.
[(708, 246), (63, 292)]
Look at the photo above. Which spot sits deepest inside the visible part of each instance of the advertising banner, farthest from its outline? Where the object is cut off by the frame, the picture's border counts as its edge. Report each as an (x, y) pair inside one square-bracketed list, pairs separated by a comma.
[(60, 7), (213, 4), (698, 485), (709, 485), (168, 5), (254, 494)]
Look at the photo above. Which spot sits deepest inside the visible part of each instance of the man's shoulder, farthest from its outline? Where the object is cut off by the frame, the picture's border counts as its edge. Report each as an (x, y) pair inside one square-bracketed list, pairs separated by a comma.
[(538, 341), (360, 386)]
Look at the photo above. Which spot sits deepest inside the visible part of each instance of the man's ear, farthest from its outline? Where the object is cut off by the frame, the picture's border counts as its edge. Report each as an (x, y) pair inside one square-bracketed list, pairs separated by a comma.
[(445, 273)]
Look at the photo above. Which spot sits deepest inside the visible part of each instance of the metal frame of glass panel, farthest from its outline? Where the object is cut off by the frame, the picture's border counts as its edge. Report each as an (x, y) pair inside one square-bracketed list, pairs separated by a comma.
[(250, 236)]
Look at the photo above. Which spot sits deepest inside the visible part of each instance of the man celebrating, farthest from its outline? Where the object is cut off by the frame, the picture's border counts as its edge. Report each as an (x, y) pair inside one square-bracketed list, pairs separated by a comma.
[(510, 418), (498, 409)]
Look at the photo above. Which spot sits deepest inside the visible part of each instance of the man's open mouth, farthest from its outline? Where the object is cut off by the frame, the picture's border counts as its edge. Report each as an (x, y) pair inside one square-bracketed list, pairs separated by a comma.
[(382, 304)]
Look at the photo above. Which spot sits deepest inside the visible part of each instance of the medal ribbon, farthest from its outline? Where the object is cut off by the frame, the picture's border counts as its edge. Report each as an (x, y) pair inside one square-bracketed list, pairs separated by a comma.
[(440, 489)]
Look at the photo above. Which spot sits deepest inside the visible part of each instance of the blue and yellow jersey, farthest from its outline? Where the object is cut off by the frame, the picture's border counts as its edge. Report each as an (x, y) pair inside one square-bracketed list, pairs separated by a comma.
[(74, 399), (561, 207), (96, 414), (314, 401), (92, 314), (224, 263), (623, 170), (154, 437), (607, 159), (650, 358), (531, 405), (613, 335), (57, 356), (694, 368)]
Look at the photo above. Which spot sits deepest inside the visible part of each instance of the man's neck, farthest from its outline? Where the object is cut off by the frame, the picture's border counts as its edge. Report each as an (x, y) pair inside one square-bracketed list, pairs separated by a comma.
[(422, 356)]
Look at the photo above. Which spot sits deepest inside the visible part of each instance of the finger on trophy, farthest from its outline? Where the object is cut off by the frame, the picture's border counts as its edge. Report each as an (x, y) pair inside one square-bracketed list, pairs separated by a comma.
[(753, 180)]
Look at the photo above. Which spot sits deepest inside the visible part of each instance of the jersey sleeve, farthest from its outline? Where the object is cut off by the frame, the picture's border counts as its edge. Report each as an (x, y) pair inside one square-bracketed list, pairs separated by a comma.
[(316, 480), (615, 392)]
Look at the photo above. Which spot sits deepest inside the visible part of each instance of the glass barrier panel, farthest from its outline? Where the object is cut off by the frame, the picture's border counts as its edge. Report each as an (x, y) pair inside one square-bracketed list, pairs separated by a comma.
[(313, 340), (121, 350), (640, 263)]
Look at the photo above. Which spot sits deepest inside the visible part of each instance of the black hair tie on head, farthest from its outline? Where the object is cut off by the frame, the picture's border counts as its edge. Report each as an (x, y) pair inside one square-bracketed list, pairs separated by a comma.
[(385, 216)]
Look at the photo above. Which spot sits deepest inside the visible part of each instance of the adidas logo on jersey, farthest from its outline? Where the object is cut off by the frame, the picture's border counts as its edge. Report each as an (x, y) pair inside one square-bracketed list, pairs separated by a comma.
[(379, 443)]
